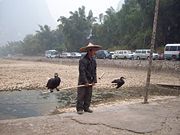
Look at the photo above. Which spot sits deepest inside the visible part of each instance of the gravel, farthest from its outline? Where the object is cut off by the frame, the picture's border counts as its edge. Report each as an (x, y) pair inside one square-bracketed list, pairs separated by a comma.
[(33, 73)]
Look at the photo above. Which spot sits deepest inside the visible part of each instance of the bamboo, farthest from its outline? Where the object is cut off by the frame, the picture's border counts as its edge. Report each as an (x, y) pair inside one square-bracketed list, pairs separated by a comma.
[(66, 88), (77, 86), (151, 52)]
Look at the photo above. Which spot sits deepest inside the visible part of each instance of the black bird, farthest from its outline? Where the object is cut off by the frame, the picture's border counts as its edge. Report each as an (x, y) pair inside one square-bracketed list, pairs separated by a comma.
[(118, 82), (53, 83)]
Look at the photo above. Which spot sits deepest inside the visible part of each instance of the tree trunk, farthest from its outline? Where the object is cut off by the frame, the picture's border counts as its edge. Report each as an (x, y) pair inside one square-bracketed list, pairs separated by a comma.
[(151, 52)]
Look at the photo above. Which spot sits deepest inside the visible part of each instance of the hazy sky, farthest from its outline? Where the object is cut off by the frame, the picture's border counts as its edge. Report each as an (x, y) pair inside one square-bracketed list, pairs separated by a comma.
[(62, 7)]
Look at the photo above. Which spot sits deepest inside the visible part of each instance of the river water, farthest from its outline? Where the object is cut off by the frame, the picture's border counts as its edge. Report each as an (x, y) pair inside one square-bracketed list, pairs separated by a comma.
[(28, 103)]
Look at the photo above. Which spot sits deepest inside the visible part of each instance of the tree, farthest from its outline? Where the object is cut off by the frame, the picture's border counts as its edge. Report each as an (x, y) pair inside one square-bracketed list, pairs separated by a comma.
[(45, 37), (31, 46), (76, 28), (169, 22), (129, 28)]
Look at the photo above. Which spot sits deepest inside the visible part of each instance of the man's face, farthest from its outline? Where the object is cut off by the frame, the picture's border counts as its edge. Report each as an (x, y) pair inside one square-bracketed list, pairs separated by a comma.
[(92, 52)]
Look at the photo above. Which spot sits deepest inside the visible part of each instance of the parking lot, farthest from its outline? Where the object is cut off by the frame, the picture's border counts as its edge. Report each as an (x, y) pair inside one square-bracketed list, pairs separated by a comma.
[(139, 54)]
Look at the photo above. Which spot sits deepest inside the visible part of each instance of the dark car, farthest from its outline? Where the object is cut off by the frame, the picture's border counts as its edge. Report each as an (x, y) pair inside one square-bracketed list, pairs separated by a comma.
[(103, 54)]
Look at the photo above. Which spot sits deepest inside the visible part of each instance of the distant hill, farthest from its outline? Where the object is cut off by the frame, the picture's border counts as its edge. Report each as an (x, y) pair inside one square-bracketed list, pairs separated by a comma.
[(21, 17)]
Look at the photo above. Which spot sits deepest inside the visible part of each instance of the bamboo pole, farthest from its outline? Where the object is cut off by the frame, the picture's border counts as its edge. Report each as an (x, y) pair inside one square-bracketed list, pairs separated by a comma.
[(153, 38), (77, 86), (66, 88)]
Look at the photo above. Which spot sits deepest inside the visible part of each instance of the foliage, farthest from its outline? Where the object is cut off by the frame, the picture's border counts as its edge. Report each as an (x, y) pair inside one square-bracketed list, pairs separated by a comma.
[(129, 28), (76, 28)]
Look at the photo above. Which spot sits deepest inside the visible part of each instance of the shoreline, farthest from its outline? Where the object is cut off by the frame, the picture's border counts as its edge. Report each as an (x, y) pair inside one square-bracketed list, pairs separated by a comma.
[(157, 65)]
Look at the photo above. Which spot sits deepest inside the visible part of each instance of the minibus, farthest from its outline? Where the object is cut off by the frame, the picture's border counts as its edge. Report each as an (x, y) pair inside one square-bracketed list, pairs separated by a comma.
[(172, 52)]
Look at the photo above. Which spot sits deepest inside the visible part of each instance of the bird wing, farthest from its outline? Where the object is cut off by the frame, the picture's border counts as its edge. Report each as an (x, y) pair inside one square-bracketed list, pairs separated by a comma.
[(58, 80), (49, 83), (119, 84), (114, 81)]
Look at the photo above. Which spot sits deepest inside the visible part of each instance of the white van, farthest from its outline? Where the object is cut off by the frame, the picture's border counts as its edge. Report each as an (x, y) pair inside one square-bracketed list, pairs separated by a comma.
[(144, 54), (122, 54), (172, 51)]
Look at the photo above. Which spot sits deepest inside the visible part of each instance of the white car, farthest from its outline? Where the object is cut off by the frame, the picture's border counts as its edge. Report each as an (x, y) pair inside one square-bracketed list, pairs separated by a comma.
[(51, 54), (123, 54), (65, 55), (75, 55), (144, 54)]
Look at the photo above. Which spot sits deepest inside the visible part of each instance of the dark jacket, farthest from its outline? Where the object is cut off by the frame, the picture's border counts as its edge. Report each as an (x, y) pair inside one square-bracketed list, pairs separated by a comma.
[(87, 70)]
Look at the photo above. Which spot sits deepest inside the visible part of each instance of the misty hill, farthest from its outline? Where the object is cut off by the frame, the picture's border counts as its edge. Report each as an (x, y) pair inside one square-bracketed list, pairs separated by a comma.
[(21, 17)]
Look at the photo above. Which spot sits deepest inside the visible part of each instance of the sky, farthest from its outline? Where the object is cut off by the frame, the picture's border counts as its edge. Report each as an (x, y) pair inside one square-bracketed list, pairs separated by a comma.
[(63, 7)]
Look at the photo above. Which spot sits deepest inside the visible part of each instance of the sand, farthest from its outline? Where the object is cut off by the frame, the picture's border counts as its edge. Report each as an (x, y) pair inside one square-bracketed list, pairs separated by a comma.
[(30, 75)]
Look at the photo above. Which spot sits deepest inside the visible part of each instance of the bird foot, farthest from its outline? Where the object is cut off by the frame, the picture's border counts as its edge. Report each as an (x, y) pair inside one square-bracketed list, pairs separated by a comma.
[(51, 91), (57, 89)]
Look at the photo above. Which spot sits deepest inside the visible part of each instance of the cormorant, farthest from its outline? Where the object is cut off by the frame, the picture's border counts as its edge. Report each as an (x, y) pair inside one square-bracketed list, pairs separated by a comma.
[(118, 82), (53, 83)]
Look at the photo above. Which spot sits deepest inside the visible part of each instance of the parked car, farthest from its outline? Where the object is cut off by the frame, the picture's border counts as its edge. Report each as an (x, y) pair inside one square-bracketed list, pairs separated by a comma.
[(83, 54), (123, 54), (51, 54), (112, 54), (103, 54), (65, 55), (75, 55), (160, 56), (144, 54)]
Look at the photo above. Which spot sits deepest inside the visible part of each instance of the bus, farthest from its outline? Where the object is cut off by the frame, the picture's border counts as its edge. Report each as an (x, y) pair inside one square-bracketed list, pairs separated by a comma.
[(51, 54), (172, 52)]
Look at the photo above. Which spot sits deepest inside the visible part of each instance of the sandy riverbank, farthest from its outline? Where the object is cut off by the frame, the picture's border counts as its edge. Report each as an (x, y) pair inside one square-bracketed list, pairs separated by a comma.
[(162, 113), (22, 74)]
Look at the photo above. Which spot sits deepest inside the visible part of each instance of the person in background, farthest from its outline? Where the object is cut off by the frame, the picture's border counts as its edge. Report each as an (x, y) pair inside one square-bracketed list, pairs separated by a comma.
[(87, 77)]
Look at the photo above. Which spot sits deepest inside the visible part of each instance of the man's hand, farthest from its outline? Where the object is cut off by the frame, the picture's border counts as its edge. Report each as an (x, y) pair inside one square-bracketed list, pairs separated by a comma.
[(86, 84), (93, 84)]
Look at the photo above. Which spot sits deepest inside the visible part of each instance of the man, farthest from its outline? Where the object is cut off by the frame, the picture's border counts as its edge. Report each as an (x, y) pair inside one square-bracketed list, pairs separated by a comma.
[(87, 77)]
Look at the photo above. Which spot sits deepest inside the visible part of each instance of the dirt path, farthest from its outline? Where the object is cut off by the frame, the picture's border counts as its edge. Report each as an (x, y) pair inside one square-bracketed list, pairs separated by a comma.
[(17, 75)]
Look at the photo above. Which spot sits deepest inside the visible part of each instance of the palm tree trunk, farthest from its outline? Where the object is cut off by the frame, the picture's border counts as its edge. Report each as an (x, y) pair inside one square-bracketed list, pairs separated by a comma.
[(151, 52)]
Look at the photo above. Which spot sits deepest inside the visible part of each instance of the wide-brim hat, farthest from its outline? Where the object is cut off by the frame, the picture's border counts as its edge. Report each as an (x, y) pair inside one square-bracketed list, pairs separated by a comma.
[(90, 46)]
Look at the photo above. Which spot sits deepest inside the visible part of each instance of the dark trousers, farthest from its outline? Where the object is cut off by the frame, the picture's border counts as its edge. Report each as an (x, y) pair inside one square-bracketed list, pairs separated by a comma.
[(84, 95)]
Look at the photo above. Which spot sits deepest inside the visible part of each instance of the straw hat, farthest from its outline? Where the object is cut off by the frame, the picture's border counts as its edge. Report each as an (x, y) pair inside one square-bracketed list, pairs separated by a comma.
[(90, 46)]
